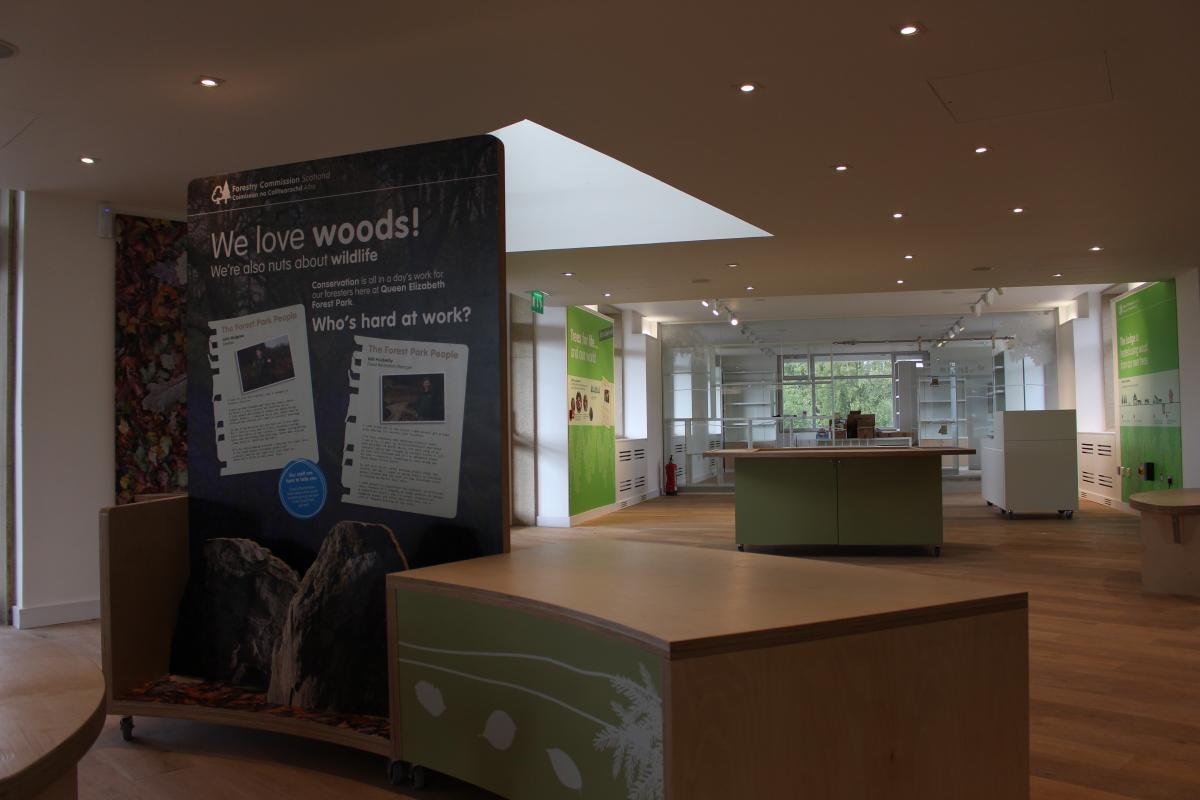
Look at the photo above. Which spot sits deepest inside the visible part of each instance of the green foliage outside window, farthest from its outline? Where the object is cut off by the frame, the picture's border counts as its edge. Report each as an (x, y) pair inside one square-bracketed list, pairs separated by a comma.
[(860, 384)]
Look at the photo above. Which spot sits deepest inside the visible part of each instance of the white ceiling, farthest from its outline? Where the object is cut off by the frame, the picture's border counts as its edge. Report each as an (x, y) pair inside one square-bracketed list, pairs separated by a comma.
[(873, 304), (652, 85)]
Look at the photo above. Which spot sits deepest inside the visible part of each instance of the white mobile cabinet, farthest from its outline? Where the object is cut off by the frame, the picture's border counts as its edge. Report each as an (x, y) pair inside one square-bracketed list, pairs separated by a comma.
[(1029, 463)]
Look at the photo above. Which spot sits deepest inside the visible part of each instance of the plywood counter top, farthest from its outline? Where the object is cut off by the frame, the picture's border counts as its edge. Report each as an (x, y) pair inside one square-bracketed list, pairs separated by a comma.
[(51, 711), (1169, 501), (685, 601), (839, 452)]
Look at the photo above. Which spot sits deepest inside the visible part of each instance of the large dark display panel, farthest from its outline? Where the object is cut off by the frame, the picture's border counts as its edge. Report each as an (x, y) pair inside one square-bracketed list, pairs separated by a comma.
[(346, 396)]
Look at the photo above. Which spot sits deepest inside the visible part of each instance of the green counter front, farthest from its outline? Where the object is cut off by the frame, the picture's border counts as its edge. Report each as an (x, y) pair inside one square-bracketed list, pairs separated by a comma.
[(839, 495)]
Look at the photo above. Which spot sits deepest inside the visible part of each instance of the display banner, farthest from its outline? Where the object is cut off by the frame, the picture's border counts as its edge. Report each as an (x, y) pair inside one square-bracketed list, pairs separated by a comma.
[(347, 404), (1148, 387), (591, 419)]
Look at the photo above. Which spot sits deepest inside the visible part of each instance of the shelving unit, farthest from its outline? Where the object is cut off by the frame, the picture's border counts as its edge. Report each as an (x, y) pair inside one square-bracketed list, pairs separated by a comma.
[(942, 409)]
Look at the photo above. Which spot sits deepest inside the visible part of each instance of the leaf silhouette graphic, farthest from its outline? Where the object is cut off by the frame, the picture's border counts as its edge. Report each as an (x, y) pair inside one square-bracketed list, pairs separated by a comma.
[(500, 730), (636, 743), (565, 769), (430, 698)]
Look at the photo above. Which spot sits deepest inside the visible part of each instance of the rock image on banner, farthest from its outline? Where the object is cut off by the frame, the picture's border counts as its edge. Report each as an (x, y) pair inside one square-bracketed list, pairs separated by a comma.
[(346, 386)]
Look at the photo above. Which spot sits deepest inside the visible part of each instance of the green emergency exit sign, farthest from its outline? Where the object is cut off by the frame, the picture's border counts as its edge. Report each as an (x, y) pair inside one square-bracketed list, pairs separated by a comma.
[(538, 300)]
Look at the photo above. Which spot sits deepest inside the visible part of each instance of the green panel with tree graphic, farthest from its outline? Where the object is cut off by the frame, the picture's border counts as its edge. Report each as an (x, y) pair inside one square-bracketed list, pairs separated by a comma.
[(1148, 388), (525, 705)]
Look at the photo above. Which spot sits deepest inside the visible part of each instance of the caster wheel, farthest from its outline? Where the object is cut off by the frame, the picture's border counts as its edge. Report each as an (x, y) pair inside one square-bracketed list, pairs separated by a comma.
[(989, 502), (420, 777), (397, 772), (937, 551), (741, 548), (1010, 514), (127, 728), (1069, 514)]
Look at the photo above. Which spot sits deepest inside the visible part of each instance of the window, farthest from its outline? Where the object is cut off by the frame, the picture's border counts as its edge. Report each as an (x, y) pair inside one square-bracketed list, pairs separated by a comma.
[(819, 386)]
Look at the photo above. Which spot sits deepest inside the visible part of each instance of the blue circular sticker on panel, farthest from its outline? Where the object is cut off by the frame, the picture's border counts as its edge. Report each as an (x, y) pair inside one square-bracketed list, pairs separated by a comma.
[(302, 489)]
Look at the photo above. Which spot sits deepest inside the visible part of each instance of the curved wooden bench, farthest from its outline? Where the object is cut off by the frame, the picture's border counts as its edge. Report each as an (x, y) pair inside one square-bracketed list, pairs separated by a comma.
[(51, 711)]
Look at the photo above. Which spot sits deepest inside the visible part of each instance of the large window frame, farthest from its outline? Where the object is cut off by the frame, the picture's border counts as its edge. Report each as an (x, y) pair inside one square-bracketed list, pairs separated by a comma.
[(817, 382)]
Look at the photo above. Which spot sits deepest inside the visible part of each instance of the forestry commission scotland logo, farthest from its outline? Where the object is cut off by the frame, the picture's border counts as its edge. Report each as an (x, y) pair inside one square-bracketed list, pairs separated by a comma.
[(221, 193)]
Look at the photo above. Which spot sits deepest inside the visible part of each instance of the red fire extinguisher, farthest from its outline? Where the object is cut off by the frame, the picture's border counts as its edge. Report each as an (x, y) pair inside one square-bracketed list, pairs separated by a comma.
[(669, 486)]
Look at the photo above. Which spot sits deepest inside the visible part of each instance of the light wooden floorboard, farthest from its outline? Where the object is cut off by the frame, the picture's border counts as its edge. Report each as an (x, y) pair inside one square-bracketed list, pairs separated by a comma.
[(1115, 673)]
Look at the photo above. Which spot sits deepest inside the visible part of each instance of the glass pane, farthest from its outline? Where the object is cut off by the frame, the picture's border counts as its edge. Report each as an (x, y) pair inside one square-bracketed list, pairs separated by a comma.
[(861, 365), (823, 400), (793, 367), (797, 402), (868, 395)]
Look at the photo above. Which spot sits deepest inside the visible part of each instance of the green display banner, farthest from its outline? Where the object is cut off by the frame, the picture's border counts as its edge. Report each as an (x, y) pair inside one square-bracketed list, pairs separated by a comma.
[(1148, 388), (591, 418)]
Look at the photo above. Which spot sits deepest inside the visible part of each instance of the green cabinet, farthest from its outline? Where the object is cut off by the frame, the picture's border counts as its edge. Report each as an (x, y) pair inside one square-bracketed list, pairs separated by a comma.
[(855, 500), (787, 501)]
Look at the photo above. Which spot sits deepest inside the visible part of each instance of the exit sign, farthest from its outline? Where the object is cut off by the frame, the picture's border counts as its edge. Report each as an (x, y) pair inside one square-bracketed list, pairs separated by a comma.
[(538, 300)]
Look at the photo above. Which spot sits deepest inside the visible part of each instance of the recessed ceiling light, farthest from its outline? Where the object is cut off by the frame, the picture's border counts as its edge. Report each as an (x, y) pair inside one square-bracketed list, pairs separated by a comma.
[(747, 87), (733, 321), (910, 29), (1056, 275), (716, 313), (1018, 210), (981, 149), (897, 215), (568, 274), (841, 168), (608, 294), (209, 82), (704, 303), (732, 266), (88, 159), (1096, 248), (749, 288), (900, 280), (908, 257)]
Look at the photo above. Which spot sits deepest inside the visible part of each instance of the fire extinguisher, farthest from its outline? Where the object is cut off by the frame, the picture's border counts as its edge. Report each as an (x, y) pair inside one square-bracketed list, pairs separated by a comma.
[(669, 477)]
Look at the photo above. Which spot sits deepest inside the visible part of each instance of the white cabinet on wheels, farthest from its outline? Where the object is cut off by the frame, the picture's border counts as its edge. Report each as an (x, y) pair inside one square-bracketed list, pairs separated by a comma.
[(1029, 463)]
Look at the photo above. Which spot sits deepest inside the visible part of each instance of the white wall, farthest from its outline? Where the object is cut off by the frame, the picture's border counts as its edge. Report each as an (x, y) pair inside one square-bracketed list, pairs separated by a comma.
[(64, 471), (641, 382), (1187, 291), (632, 385), (550, 351), (654, 412), (1088, 364)]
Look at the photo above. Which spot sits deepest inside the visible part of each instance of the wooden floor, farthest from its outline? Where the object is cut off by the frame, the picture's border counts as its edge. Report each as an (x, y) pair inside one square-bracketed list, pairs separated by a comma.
[(1115, 673)]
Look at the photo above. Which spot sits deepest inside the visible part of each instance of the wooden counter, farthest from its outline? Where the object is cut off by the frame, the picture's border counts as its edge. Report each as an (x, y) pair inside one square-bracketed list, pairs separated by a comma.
[(51, 711), (709, 674), (1170, 532), (839, 495), (838, 452)]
